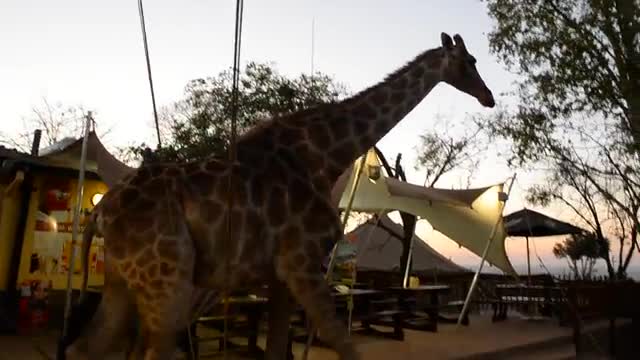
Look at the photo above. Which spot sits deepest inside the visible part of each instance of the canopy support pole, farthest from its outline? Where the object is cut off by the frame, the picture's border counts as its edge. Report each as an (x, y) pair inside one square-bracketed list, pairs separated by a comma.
[(74, 238), (467, 301), (407, 268)]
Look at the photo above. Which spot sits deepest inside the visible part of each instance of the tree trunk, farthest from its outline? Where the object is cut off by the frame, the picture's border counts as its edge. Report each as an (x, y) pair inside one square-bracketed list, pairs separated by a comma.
[(409, 227)]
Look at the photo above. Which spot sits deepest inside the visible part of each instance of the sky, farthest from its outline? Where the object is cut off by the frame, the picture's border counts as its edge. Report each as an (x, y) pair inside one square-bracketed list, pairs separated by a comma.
[(91, 53)]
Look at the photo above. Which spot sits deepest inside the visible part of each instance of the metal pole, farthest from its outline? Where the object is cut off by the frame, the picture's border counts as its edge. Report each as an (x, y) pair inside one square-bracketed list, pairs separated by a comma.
[(409, 259), (484, 256), (76, 225), (146, 54), (528, 263)]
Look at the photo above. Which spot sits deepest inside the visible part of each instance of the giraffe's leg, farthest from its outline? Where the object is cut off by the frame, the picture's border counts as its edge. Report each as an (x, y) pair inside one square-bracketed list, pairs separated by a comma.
[(165, 302), (279, 312), (136, 345), (162, 323), (108, 325), (159, 326), (310, 289)]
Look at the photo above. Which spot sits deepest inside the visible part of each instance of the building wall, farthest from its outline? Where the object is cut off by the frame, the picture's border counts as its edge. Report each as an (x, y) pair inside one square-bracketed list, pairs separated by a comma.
[(9, 212), (46, 248)]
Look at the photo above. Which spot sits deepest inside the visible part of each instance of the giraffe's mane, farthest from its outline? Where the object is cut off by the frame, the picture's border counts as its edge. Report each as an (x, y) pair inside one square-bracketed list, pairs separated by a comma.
[(399, 72), (269, 122)]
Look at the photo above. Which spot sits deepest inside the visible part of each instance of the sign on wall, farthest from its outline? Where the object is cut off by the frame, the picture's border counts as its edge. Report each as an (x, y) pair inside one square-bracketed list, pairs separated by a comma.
[(51, 248)]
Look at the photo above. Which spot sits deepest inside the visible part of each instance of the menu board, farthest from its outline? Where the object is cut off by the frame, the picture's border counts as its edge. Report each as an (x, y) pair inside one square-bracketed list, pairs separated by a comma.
[(346, 259)]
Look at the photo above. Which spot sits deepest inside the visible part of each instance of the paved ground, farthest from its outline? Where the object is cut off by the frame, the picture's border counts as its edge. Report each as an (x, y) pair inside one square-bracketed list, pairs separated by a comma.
[(474, 341)]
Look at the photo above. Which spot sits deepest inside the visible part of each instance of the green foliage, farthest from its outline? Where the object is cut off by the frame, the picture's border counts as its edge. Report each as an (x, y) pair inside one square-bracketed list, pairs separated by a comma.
[(56, 120), (199, 124), (581, 252), (578, 114), (575, 57), (443, 151)]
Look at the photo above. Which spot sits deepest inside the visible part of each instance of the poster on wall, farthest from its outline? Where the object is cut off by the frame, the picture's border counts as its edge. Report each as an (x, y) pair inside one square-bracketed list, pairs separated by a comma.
[(52, 234), (346, 259)]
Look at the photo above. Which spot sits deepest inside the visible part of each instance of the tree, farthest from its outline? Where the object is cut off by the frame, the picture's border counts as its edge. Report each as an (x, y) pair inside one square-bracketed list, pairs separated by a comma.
[(199, 124), (587, 170), (441, 152), (575, 57), (56, 121), (581, 252), (575, 120)]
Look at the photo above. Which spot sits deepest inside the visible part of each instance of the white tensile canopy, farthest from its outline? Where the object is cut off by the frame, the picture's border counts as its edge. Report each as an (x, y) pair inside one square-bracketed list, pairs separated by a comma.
[(98, 159), (467, 217)]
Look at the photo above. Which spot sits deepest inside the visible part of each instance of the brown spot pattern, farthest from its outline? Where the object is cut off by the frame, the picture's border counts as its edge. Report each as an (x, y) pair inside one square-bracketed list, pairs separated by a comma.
[(291, 238), (277, 207), (128, 195), (319, 135), (339, 128), (167, 249), (166, 269), (152, 271)]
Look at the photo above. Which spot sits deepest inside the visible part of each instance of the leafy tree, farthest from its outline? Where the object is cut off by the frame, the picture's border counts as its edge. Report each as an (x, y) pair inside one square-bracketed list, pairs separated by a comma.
[(56, 121), (581, 252), (575, 119), (575, 57), (441, 152), (199, 124)]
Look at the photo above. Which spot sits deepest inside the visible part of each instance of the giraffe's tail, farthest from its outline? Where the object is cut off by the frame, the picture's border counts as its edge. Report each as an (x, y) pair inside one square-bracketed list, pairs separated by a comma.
[(87, 237)]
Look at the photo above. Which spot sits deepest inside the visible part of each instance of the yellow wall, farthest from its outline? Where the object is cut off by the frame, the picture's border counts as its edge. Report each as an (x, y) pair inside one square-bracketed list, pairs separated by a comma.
[(59, 281), (10, 211)]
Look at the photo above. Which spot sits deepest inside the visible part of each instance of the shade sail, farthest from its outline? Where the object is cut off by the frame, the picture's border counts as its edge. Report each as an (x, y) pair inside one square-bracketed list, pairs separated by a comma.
[(66, 153), (529, 223), (378, 246), (464, 216)]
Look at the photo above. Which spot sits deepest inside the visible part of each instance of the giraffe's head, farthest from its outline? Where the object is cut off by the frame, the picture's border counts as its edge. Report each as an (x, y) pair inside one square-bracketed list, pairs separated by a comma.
[(459, 70)]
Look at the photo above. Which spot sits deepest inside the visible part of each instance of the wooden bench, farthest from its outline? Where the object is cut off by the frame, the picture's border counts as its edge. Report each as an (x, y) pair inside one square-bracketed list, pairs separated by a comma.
[(388, 318), (457, 305)]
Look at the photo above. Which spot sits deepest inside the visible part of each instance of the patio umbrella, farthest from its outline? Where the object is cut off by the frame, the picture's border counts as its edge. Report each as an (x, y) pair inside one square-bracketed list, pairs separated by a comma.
[(528, 223)]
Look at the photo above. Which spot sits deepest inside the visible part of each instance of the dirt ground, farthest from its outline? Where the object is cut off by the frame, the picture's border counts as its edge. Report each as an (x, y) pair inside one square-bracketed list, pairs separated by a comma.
[(511, 339)]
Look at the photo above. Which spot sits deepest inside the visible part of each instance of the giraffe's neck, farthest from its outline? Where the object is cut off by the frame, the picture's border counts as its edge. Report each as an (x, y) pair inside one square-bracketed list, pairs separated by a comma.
[(330, 137), (362, 120)]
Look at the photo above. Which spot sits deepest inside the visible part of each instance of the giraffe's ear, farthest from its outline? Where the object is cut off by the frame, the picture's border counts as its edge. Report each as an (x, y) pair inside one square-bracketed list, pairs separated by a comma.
[(459, 41), (447, 43)]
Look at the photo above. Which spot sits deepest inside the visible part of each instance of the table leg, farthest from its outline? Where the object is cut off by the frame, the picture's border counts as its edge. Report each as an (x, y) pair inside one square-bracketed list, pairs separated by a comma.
[(253, 318), (279, 313), (433, 311)]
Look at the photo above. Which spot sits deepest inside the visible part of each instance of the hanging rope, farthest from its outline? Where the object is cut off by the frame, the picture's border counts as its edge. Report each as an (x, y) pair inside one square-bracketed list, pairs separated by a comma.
[(232, 158), (146, 54)]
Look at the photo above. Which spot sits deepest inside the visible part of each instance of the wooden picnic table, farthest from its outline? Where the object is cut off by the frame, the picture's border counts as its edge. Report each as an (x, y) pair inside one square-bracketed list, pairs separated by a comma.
[(548, 297), (251, 306), (414, 300)]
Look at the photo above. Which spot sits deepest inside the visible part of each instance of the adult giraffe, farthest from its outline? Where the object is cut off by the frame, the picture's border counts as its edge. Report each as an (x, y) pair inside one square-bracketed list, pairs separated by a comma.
[(165, 226)]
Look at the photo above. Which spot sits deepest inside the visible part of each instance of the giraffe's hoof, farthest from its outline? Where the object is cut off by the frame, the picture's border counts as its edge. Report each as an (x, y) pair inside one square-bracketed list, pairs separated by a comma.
[(349, 353), (73, 352)]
